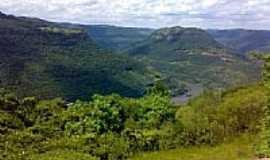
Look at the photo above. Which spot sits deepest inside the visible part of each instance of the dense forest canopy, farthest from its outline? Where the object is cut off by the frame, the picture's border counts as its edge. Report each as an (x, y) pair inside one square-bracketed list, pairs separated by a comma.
[(43, 59)]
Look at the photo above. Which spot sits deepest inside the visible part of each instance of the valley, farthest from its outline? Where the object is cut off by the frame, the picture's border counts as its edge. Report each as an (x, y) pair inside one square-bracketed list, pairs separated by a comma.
[(71, 91), (213, 64), (176, 56), (43, 59)]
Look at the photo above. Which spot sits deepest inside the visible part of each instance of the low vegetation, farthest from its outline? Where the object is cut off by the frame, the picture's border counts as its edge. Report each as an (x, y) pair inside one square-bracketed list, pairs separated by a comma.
[(240, 148), (263, 147), (113, 127)]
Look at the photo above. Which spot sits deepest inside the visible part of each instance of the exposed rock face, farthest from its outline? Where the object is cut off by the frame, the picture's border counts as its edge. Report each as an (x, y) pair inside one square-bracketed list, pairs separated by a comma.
[(167, 33)]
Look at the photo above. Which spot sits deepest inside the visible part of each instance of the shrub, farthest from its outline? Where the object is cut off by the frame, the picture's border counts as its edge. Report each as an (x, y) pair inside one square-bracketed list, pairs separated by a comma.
[(213, 117), (113, 127), (110, 146), (103, 114), (47, 117)]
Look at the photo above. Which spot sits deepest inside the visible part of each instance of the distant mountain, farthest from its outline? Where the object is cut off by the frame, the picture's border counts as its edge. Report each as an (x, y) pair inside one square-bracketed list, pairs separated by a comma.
[(121, 38), (243, 40), (48, 59), (166, 40), (191, 56), (40, 58), (113, 37)]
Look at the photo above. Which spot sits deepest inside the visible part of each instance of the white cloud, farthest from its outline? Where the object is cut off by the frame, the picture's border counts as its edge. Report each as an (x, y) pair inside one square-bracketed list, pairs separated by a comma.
[(148, 13), (209, 3)]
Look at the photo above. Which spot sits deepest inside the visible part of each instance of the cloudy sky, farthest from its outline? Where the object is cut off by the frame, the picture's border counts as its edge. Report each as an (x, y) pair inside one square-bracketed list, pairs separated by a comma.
[(252, 14)]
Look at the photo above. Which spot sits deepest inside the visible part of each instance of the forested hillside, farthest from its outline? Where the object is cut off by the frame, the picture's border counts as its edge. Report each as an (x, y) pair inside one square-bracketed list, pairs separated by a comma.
[(191, 56), (243, 41), (43, 59), (113, 37), (198, 59), (175, 38), (121, 38)]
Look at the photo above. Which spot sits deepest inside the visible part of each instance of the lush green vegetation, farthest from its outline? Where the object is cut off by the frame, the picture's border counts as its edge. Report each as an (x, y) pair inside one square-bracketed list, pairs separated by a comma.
[(167, 40), (121, 38), (263, 147), (43, 59), (190, 56), (113, 127), (113, 37), (48, 61), (241, 148), (117, 38), (197, 58)]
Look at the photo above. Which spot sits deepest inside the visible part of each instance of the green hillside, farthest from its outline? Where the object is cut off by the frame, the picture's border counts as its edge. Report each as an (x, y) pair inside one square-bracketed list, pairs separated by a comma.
[(191, 56), (175, 39), (43, 59), (180, 57), (113, 37), (243, 40)]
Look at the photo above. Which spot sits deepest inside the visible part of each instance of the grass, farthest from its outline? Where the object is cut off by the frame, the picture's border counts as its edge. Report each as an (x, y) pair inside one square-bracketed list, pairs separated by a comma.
[(238, 149), (62, 155)]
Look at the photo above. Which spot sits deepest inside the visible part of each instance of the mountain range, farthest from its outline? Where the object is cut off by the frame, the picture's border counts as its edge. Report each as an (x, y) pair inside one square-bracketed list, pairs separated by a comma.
[(191, 56), (73, 61), (242, 40), (121, 38)]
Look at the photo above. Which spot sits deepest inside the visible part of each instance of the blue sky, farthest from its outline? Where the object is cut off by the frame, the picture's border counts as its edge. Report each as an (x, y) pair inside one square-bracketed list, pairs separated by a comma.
[(251, 14)]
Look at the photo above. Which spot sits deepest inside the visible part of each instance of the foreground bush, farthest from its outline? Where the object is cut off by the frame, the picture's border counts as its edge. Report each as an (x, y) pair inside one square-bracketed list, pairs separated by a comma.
[(215, 116), (263, 146), (113, 127)]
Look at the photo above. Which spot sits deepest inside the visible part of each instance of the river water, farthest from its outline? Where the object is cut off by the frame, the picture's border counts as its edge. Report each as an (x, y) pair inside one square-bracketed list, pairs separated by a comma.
[(194, 91)]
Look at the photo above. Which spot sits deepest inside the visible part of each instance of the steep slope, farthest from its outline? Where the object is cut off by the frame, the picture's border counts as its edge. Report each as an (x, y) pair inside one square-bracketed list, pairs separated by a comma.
[(117, 38), (191, 57), (44, 59), (174, 39), (113, 37), (243, 40)]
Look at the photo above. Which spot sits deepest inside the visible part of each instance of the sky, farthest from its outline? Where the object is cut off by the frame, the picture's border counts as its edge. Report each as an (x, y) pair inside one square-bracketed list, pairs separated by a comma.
[(215, 14)]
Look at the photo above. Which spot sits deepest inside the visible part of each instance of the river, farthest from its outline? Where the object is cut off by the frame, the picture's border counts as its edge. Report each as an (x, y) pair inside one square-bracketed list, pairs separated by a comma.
[(193, 91)]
